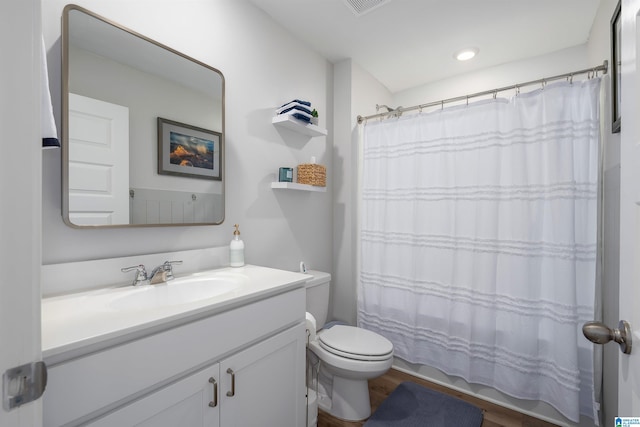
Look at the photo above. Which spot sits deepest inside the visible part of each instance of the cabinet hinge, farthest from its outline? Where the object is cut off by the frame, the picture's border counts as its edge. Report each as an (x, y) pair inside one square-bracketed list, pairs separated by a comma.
[(23, 384)]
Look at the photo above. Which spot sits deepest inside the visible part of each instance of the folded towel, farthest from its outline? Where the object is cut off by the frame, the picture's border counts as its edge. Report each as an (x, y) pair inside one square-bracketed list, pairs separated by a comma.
[(47, 123), (291, 106), (294, 112), (307, 103), (301, 117)]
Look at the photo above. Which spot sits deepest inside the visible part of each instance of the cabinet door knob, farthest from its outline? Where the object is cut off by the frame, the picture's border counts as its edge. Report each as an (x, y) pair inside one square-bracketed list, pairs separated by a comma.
[(233, 383), (213, 382)]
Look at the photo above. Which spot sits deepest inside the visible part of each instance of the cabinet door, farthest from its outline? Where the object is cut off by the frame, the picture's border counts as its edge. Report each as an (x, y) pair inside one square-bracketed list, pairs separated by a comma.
[(264, 384), (189, 402)]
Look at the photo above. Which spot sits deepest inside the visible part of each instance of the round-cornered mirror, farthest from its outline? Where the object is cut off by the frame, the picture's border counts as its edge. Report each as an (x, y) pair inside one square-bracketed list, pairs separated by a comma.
[(143, 129)]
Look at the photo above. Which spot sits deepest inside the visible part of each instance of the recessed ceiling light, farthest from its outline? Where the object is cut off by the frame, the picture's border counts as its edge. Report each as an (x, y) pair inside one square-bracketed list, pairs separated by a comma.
[(466, 54)]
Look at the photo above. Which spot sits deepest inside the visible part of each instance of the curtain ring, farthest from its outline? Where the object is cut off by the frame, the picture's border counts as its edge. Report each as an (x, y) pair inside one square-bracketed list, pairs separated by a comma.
[(571, 78), (495, 94), (442, 104), (517, 90), (544, 83), (467, 100)]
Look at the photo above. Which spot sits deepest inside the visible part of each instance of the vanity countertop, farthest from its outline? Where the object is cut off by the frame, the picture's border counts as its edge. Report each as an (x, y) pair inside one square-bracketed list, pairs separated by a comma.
[(82, 322)]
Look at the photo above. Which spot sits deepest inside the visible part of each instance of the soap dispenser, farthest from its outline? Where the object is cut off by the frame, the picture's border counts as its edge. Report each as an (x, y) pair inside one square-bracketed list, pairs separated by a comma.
[(236, 249)]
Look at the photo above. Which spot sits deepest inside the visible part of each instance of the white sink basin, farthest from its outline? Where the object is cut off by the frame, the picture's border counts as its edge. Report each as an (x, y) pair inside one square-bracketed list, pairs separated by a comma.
[(73, 323), (175, 292)]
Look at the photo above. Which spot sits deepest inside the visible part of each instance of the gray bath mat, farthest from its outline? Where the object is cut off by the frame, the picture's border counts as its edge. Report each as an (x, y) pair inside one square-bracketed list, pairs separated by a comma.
[(411, 405)]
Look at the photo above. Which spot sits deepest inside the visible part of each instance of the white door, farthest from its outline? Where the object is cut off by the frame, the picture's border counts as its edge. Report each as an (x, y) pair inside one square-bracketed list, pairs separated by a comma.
[(21, 194), (98, 162), (629, 370)]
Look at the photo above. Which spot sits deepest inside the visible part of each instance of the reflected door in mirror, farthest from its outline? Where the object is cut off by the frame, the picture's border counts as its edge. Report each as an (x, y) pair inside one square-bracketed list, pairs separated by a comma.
[(98, 162)]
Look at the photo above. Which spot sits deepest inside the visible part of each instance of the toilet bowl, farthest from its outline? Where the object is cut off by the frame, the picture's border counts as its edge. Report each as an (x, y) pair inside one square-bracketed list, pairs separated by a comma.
[(349, 356)]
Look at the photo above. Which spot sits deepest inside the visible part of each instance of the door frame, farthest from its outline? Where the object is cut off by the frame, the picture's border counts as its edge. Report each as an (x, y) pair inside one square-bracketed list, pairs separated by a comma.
[(629, 365), (21, 192)]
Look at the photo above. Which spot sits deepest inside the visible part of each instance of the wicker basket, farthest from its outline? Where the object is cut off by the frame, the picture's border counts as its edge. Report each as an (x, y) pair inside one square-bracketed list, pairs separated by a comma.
[(312, 174)]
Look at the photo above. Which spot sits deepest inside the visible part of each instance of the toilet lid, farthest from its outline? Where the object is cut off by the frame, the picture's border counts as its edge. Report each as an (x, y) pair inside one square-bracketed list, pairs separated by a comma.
[(355, 343)]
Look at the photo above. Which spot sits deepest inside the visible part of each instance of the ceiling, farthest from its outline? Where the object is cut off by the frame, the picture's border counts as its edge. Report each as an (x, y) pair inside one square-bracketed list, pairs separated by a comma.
[(407, 43)]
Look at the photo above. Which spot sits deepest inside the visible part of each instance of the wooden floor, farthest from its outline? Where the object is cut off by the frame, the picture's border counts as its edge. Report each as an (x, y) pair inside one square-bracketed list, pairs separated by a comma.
[(380, 388)]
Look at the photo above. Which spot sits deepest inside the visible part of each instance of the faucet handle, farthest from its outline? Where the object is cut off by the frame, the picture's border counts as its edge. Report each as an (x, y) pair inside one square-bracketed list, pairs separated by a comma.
[(168, 268), (141, 273)]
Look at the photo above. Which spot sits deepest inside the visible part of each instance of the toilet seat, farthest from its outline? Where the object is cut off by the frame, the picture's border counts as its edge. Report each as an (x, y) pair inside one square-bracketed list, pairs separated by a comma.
[(355, 343)]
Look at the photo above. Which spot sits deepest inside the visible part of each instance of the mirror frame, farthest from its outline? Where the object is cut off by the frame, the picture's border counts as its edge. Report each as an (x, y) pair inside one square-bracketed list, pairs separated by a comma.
[(65, 121)]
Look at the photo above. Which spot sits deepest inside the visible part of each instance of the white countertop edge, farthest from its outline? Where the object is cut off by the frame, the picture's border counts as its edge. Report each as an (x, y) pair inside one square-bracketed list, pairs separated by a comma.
[(61, 350)]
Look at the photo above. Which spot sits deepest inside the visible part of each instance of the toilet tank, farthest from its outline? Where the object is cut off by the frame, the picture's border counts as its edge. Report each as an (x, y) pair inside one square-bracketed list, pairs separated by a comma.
[(318, 296)]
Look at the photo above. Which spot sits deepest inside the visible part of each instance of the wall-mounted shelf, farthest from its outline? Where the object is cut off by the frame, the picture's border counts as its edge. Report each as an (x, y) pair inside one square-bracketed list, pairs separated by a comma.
[(296, 186), (291, 123)]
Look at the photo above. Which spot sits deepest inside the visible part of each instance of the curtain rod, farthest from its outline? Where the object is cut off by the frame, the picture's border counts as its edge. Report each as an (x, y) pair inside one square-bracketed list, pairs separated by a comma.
[(591, 72)]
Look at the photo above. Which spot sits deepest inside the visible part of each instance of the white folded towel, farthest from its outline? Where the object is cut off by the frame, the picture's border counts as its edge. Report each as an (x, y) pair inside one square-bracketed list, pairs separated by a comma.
[(294, 111), (48, 124)]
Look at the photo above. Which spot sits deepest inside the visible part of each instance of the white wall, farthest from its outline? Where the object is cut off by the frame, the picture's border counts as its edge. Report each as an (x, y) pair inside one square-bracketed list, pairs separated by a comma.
[(563, 61), (264, 67), (356, 92)]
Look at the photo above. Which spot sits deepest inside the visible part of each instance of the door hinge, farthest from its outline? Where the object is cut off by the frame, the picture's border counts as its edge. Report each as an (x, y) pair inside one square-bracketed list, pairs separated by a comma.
[(23, 384)]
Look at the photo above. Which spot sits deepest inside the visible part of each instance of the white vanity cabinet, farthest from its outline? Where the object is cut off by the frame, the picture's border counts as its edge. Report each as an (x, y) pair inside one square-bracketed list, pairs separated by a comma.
[(247, 389), (183, 403), (253, 356)]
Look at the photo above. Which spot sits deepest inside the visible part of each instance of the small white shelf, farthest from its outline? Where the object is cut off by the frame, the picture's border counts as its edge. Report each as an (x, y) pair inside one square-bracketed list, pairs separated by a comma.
[(291, 123), (296, 186)]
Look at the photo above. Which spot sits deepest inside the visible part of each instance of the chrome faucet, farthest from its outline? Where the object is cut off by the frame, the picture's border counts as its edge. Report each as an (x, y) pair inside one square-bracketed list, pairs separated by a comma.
[(141, 274), (163, 273)]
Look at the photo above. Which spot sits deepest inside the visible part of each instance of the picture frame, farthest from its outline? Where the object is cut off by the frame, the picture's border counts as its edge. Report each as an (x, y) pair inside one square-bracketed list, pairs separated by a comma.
[(616, 32), (189, 151)]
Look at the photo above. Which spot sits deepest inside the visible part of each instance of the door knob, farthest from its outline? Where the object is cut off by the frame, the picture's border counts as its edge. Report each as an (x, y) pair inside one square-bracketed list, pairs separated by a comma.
[(599, 333)]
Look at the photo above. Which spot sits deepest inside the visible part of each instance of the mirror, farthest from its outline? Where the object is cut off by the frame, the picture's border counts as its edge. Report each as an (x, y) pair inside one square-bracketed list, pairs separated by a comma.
[(142, 129)]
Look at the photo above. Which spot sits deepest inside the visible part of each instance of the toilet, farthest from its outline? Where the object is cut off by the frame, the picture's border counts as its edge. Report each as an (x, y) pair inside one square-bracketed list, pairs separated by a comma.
[(349, 356)]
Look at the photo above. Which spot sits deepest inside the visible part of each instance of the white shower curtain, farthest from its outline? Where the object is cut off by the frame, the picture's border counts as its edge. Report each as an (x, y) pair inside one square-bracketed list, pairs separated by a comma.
[(478, 241)]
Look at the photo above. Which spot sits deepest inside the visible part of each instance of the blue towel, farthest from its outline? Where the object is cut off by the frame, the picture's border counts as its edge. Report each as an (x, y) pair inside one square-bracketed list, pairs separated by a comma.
[(295, 107), (301, 117), (411, 405), (307, 103)]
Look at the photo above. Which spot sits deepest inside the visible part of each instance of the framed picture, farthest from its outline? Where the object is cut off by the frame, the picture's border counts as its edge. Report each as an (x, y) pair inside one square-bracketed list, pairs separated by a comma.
[(189, 151), (615, 74)]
